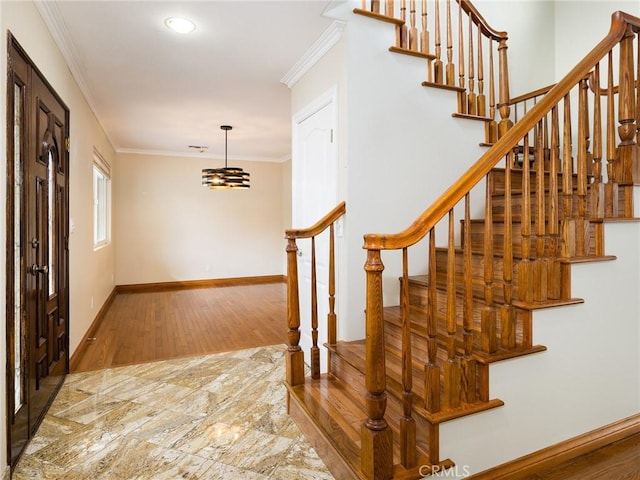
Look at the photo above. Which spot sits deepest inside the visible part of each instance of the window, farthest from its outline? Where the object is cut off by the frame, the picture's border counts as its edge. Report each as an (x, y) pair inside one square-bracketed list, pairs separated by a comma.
[(101, 201)]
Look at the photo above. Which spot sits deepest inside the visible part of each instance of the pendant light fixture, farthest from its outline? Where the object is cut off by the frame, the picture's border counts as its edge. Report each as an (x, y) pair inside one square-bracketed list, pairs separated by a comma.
[(227, 177)]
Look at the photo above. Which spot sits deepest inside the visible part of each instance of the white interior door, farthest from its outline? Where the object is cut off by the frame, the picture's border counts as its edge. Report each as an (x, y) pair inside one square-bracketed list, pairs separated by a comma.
[(314, 174)]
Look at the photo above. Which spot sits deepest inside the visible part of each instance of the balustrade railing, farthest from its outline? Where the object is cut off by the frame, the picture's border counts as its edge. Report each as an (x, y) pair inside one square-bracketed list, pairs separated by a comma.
[(465, 43), (546, 194), (295, 365)]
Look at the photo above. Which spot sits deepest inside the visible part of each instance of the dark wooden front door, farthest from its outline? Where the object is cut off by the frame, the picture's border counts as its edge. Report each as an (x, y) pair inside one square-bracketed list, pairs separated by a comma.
[(38, 337)]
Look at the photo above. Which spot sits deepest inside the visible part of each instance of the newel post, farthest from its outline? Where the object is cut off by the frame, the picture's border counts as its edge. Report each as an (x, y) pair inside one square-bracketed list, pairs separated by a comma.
[(295, 355), (627, 165), (376, 436), (505, 111)]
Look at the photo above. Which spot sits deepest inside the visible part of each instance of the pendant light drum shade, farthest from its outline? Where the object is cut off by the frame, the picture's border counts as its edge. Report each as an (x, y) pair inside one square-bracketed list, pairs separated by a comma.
[(227, 177)]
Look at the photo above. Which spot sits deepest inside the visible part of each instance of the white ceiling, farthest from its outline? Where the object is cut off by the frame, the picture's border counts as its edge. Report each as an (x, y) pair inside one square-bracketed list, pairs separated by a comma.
[(154, 90)]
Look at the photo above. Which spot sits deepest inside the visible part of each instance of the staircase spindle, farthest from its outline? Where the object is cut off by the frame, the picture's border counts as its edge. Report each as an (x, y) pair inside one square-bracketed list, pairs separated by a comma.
[(540, 269), (597, 187), (468, 364), (462, 95), (424, 40), (331, 316), (401, 31), (389, 8), (491, 133), (554, 287), (407, 422), (482, 101), (375, 6), (488, 315), (568, 227), (295, 355), (432, 370), (438, 75), (508, 327), (452, 365), (472, 99), (505, 122), (581, 223), (451, 69), (525, 272), (413, 31), (315, 351), (611, 188), (375, 435), (627, 164)]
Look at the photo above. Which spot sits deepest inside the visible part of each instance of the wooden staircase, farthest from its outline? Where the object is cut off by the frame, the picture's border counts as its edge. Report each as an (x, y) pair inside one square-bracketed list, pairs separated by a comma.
[(376, 413)]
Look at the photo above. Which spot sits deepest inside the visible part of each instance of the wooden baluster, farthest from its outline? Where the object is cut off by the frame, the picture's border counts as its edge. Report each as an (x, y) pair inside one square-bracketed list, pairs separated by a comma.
[(375, 6), (431, 370), (611, 187), (554, 286), (491, 133), (375, 434), (413, 32), (452, 365), (568, 232), (482, 101), (295, 355), (505, 122), (389, 8), (462, 96), (438, 76), (468, 364), (315, 351), (401, 30), (407, 422), (540, 268), (331, 316), (472, 99), (525, 272), (545, 146), (451, 69), (627, 165), (597, 187), (508, 314), (488, 321), (424, 40), (581, 225)]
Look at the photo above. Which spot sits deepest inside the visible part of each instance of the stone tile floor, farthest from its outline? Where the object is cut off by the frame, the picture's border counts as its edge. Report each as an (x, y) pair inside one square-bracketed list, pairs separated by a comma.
[(220, 416)]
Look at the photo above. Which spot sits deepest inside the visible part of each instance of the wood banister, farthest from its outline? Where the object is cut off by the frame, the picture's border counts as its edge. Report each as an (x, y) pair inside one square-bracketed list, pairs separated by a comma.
[(320, 226), (479, 20), (423, 224)]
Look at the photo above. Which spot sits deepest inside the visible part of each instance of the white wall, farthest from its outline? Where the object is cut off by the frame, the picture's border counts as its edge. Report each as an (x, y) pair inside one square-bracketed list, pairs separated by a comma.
[(589, 376), (171, 228), (577, 35), (91, 273)]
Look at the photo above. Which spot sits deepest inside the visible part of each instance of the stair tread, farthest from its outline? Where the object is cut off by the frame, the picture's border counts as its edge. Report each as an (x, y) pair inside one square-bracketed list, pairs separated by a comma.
[(354, 353)]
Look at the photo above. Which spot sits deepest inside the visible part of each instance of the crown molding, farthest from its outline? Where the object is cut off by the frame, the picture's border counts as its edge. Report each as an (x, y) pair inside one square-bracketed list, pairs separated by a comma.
[(208, 156), (320, 47), (54, 22)]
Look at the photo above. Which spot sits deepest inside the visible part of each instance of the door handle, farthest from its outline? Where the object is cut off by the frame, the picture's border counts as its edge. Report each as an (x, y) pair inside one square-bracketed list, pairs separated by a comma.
[(35, 269)]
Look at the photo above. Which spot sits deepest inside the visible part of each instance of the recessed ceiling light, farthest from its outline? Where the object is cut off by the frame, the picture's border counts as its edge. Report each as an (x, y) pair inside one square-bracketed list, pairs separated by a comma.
[(180, 25)]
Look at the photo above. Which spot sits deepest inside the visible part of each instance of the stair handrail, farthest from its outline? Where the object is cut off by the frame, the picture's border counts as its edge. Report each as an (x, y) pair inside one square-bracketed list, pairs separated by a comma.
[(295, 370), (454, 194), (320, 226), (480, 21)]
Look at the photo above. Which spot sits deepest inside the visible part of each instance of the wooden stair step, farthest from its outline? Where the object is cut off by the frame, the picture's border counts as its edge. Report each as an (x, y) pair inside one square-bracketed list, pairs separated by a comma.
[(419, 339), (330, 416), (354, 354)]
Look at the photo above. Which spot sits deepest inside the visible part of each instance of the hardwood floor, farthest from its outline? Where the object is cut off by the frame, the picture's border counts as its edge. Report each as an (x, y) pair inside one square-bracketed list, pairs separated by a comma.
[(618, 461), (150, 326)]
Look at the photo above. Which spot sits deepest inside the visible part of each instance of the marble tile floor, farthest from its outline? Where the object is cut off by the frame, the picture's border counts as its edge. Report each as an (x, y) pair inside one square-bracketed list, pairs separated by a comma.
[(220, 416)]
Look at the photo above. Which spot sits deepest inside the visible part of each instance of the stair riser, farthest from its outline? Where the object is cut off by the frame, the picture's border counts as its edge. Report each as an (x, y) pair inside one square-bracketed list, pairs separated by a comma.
[(356, 380)]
